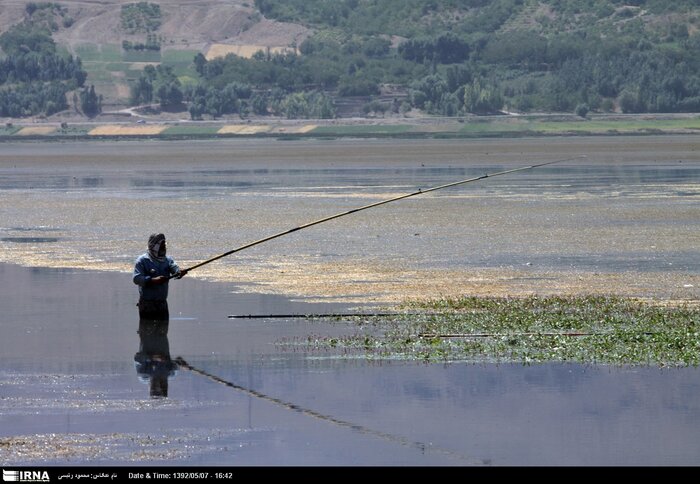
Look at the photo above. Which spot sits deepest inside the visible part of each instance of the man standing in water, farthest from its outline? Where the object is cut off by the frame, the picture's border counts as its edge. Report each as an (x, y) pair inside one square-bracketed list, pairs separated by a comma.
[(152, 273)]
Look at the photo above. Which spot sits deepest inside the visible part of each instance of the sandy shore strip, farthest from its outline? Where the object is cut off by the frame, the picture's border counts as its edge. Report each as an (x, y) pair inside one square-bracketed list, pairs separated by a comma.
[(35, 130), (307, 128), (116, 130), (243, 129)]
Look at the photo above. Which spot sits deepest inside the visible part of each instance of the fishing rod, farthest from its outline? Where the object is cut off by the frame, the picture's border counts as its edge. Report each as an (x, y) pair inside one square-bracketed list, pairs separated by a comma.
[(372, 205)]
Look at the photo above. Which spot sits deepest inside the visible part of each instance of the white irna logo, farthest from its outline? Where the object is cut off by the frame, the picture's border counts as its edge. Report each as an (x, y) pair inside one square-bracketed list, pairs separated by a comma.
[(10, 476), (25, 476)]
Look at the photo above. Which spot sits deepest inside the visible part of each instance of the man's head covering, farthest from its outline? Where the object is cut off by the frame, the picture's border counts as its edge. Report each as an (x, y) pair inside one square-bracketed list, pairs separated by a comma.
[(155, 244)]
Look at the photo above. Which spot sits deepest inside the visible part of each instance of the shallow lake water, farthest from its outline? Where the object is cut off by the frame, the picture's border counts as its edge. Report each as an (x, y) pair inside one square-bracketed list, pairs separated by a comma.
[(71, 394), (625, 219)]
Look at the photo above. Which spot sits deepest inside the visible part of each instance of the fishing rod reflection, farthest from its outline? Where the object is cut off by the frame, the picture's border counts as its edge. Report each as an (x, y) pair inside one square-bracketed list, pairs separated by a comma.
[(152, 361)]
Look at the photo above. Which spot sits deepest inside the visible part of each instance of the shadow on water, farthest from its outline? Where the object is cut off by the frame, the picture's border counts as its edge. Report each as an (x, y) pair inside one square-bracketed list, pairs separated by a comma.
[(154, 365)]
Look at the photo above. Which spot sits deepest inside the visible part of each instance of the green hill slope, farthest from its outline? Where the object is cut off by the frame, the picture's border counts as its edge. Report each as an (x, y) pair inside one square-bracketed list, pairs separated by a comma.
[(381, 57), (480, 56)]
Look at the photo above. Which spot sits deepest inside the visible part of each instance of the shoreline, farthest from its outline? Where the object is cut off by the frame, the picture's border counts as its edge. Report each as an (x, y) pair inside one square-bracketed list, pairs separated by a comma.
[(473, 127), (339, 284)]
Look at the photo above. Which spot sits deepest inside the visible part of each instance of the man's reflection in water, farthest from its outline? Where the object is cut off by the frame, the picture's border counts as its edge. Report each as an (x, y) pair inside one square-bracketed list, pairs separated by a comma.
[(153, 363)]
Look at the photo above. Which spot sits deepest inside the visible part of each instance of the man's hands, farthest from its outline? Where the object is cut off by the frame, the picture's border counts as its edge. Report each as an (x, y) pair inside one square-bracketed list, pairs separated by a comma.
[(158, 280)]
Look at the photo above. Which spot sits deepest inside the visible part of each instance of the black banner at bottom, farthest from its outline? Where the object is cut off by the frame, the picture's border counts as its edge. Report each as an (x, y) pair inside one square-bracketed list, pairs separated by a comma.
[(84, 474)]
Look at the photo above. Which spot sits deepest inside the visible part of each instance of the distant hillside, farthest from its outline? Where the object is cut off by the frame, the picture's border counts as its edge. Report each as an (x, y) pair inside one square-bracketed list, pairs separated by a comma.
[(93, 30), (454, 57), (323, 58), (408, 18), (184, 23)]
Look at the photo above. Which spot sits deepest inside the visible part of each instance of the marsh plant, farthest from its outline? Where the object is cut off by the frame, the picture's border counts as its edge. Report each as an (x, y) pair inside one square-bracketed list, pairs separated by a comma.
[(592, 329)]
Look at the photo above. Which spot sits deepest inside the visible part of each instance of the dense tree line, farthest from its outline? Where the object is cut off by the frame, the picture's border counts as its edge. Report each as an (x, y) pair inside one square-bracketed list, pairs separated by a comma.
[(417, 17), (157, 84), (236, 98), (31, 99), (34, 78), (444, 49), (45, 66), (473, 56), (372, 17), (152, 43), (638, 78), (141, 17), (301, 84)]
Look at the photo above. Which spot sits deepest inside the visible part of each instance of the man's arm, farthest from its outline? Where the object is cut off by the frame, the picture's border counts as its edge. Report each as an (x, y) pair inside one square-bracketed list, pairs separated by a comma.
[(176, 271), (141, 278)]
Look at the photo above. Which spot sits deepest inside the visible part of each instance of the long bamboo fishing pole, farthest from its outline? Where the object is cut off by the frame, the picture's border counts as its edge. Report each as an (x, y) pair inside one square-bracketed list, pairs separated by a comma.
[(376, 204)]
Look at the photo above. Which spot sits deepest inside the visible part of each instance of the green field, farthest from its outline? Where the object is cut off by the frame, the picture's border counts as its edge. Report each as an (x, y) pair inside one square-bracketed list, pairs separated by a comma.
[(178, 56), (352, 130), (116, 66), (102, 63), (9, 130), (190, 130), (531, 124), (181, 62), (99, 53), (97, 74), (108, 65), (141, 56)]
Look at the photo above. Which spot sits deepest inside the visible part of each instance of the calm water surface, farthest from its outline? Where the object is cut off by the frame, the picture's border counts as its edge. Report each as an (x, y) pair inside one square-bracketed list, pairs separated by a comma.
[(68, 346), (69, 388)]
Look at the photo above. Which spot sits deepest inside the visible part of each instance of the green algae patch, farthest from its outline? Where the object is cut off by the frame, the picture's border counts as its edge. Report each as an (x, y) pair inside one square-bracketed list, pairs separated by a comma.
[(589, 330)]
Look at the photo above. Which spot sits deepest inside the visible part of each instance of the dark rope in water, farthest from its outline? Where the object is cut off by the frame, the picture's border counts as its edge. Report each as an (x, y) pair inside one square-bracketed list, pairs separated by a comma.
[(325, 315), (342, 423)]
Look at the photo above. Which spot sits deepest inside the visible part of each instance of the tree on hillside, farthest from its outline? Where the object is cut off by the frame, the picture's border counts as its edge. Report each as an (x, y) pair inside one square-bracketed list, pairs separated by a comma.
[(480, 98), (90, 102), (444, 49)]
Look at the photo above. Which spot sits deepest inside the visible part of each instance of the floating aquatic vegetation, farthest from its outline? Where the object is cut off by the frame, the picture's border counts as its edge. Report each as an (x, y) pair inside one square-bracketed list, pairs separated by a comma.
[(585, 329)]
